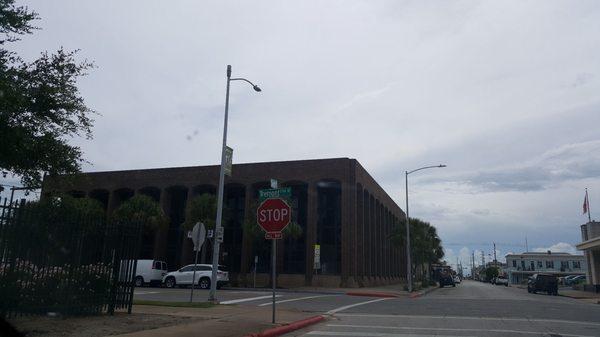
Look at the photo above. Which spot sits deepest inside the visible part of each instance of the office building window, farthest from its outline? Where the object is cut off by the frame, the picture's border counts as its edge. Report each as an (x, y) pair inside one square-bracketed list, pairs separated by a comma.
[(576, 264), (539, 264), (564, 265), (514, 263), (549, 264)]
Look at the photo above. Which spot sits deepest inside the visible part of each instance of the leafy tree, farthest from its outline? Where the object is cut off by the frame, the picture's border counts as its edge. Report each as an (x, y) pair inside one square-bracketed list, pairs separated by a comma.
[(40, 105), (203, 209), (490, 273), (141, 208)]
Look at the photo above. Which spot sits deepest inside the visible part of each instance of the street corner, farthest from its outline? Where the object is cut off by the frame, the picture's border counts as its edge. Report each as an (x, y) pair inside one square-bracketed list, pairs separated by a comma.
[(293, 326)]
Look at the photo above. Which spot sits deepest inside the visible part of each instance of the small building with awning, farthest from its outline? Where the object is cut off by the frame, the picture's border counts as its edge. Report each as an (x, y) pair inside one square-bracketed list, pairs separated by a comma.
[(590, 236)]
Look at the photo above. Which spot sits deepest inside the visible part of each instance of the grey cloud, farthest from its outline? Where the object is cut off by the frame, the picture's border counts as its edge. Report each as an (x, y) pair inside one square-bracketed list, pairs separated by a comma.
[(568, 162)]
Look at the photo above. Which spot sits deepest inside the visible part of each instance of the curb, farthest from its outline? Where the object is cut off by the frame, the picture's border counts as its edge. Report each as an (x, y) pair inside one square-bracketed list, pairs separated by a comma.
[(280, 330), (370, 294), (421, 293)]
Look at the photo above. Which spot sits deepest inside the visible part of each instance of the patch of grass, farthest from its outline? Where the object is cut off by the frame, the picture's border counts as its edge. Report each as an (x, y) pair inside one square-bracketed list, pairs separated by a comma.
[(174, 304)]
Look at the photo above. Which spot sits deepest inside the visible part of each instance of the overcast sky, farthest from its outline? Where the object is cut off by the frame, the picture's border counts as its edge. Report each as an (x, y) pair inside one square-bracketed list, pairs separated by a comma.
[(505, 93)]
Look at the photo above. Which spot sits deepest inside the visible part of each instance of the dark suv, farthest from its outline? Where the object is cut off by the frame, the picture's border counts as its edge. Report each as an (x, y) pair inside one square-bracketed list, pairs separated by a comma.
[(446, 280), (543, 282)]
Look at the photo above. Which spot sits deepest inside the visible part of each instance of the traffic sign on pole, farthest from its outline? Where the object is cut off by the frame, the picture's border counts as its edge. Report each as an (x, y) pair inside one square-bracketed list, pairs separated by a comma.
[(273, 215)]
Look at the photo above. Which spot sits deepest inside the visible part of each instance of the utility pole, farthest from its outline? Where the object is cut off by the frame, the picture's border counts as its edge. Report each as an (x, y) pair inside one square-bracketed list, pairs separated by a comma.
[(482, 259), (495, 261), (526, 245)]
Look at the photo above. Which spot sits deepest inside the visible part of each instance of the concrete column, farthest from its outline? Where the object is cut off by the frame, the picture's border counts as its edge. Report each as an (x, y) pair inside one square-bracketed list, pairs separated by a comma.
[(187, 246), (311, 230), (595, 263), (247, 239), (348, 235), (112, 202), (360, 234), (160, 239)]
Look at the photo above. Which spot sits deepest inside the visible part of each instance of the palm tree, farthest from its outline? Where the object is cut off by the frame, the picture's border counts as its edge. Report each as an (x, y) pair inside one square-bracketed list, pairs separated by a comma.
[(426, 246)]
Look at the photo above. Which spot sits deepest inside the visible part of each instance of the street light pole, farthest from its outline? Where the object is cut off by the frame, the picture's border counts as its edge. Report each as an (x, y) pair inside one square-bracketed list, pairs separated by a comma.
[(218, 227), (408, 260)]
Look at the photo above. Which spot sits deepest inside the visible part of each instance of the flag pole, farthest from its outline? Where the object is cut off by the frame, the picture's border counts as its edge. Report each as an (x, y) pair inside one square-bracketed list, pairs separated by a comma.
[(587, 200)]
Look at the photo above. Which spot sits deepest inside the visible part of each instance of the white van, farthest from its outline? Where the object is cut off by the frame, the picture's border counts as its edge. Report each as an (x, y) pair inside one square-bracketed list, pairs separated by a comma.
[(149, 272)]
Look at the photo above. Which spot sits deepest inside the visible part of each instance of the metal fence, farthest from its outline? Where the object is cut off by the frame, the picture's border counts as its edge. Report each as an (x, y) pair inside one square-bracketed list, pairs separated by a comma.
[(68, 264)]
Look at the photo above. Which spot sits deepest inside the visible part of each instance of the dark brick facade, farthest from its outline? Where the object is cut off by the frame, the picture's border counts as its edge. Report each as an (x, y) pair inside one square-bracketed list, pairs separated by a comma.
[(339, 206)]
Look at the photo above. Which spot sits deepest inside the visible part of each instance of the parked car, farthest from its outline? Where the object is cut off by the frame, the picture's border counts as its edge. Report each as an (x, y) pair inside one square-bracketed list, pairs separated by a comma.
[(149, 272), (501, 281), (456, 279), (446, 280), (184, 276), (574, 280), (543, 282)]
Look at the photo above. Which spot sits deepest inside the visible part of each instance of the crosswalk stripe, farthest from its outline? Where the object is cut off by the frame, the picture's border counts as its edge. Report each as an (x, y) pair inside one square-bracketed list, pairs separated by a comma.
[(248, 299), (294, 299), (448, 329)]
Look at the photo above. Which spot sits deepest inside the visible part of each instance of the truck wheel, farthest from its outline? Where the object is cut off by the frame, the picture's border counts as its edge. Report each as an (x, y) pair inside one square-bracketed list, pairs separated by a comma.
[(139, 281)]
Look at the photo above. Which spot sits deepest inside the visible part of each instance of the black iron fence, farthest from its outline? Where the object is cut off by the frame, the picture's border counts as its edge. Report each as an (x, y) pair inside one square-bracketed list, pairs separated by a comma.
[(64, 263)]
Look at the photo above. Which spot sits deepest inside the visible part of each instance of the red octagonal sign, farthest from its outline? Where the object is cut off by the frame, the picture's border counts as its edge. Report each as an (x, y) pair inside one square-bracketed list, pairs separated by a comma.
[(273, 215)]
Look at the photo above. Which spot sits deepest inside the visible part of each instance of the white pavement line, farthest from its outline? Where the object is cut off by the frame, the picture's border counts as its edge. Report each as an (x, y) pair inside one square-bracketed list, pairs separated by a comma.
[(368, 334), (333, 311), (452, 329), (146, 292), (475, 318), (248, 299), (294, 299)]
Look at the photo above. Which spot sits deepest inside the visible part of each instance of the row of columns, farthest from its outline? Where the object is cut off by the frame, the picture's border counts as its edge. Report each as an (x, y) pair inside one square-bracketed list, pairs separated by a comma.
[(367, 254)]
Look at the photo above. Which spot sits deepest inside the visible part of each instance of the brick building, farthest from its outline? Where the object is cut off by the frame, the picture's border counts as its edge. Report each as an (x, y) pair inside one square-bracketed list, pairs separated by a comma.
[(336, 202)]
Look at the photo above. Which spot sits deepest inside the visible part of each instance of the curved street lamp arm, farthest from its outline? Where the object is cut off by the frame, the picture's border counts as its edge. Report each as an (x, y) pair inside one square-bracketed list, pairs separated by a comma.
[(242, 79), (423, 168)]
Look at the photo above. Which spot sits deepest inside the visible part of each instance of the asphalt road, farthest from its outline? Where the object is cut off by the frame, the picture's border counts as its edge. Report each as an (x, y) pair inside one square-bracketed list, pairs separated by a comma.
[(470, 309)]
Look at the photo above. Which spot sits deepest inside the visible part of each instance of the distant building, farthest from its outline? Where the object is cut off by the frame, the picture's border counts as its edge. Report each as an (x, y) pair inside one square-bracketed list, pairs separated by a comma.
[(520, 266), (590, 237)]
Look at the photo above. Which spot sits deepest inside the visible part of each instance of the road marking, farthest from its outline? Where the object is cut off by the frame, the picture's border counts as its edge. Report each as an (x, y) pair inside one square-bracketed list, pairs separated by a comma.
[(333, 311), (146, 292), (475, 318), (368, 334), (452, 329), (294, 299), (248, 299)]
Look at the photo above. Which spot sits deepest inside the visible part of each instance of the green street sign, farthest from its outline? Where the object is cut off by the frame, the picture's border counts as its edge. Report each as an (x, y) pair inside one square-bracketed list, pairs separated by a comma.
[(274, 193)]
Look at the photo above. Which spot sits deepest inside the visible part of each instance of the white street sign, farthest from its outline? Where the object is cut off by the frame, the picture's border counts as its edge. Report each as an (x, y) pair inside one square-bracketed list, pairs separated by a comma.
[(198, 235)]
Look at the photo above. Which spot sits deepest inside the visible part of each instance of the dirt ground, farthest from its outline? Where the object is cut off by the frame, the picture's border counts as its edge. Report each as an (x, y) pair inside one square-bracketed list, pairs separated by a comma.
[(94, 326)]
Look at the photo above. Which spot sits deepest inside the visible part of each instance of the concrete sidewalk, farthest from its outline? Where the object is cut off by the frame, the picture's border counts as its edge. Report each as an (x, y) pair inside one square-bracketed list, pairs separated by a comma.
[(581, 295), (220, 320)]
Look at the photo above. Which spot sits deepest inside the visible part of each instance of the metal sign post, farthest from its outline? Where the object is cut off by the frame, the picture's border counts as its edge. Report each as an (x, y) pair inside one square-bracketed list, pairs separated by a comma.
[(255, 265), (198, 236), (273, 215), (273, 268)]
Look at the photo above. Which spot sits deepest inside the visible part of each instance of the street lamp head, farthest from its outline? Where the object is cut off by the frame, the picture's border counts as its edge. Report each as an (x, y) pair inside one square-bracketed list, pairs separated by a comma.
[(442, 165), (256, 88)]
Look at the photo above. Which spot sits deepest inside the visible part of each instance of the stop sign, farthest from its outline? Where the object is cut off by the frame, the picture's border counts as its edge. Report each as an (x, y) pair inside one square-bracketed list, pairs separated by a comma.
[(273, 215)]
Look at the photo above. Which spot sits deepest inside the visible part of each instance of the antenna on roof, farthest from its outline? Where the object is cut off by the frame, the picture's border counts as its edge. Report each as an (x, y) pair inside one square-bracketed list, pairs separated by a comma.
[(526, 245)]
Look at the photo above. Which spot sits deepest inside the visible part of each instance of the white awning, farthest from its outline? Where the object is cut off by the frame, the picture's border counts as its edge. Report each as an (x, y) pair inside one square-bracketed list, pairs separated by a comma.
[(593, 243)]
